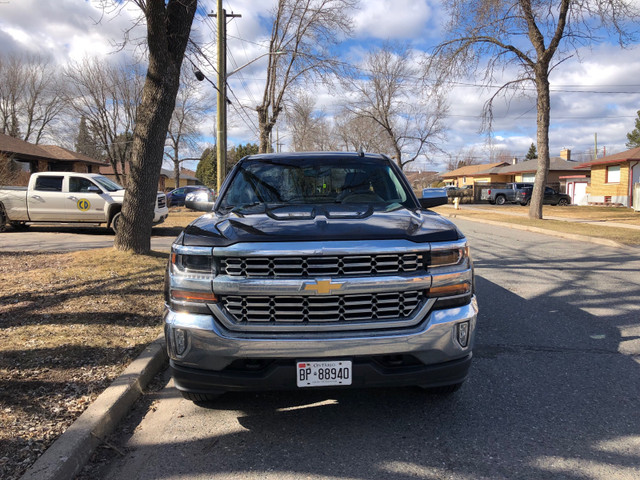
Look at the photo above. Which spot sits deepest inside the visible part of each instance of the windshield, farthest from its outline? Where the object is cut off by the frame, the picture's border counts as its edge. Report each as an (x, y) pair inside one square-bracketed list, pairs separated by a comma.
[(108, 185), (278, 182)]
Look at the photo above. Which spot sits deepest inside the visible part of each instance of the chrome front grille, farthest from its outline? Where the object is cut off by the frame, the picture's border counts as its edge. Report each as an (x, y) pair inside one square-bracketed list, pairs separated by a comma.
[(322, 308), (319, 266)]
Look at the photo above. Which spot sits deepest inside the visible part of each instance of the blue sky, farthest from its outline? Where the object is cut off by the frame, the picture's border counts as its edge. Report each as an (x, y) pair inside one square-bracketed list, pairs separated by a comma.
[(598, 95)]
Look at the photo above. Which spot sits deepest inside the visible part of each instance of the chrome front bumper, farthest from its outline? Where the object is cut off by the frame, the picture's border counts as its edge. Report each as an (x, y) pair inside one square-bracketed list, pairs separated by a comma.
[(211, 346)]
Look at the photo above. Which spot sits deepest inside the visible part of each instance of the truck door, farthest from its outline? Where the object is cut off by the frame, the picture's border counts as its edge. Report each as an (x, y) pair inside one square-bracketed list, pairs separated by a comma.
[(85, 201), (46, 201)]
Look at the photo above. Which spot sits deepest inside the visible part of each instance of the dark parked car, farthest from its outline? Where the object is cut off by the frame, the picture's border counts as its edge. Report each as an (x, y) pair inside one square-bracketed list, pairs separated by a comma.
[(175, 198), (551, 197)]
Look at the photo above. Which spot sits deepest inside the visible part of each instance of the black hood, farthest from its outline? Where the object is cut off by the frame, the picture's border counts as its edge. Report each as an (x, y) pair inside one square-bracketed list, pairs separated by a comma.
[(299, 225)]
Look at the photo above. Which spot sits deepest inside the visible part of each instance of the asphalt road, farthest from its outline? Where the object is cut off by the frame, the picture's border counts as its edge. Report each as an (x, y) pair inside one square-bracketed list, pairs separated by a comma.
[(58, 238), (554, 392)]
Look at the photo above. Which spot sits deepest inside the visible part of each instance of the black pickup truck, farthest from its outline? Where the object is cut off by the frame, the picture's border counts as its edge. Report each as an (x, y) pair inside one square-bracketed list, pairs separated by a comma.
[(500, 196), (551, 197), (319, 270)]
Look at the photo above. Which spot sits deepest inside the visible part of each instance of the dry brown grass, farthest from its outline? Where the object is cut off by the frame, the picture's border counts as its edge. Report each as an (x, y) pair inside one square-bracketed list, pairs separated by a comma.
[(179, 217), (595, 214), (70, 324), (519, 215)]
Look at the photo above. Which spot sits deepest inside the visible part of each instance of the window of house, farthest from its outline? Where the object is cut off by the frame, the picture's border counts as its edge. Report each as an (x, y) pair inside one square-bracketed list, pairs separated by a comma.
[(613, 174), (528, 177)]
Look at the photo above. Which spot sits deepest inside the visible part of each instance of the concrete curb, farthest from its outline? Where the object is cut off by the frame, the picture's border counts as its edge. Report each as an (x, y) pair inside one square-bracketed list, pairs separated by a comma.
[(70, 452), (544, 231)]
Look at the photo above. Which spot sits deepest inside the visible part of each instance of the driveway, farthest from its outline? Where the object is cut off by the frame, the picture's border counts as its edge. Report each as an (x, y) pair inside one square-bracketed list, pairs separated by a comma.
[(553, 392), (66, 239)]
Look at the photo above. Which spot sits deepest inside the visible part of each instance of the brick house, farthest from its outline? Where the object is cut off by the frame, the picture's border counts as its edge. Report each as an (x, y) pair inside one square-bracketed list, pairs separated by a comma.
[(613, 177), (187, 177), (31, 158), (564, 175), (558, 167), (166, 180), (474, 174)]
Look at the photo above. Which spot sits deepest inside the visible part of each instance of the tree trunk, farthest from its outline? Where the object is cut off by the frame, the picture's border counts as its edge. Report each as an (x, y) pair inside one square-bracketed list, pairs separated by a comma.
[(543, 109), (176, 167), (152, 122), (168, 29), (399, 157), (265, 129)]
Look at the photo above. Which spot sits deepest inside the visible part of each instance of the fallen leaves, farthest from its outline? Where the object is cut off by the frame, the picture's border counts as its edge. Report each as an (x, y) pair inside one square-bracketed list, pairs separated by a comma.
[(70, 324)]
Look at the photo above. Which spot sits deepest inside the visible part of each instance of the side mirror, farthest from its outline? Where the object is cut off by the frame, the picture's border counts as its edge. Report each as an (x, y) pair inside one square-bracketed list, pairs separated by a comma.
[(433, 197), (200, 201), (93, 189)]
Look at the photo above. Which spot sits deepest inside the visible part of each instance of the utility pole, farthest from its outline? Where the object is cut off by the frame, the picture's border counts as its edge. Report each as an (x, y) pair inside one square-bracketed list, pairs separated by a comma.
[(221, 114)]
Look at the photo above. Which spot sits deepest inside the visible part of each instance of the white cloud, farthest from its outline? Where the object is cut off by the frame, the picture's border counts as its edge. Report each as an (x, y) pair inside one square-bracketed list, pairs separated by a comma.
[(392, 19), (582, 100), (64, 30)]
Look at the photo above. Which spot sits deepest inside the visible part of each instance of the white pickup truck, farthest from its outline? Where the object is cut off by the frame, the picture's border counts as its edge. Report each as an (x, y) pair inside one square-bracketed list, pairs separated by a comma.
[(68, 197)]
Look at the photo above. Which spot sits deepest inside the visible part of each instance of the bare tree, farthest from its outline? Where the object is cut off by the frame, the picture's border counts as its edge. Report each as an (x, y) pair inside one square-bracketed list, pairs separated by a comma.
[(388, 91), (107, 96), (31, 97), (301, 39), (361, 133), (10, 94), (168, 29), (9, 171), (309, 127), (462, 158), (183, 127), (486, 36)]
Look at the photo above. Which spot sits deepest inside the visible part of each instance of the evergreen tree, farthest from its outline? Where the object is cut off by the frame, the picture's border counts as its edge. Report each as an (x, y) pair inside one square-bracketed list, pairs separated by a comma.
[(235, 154), (634, 135), (206, 171), (532, 154), (86, 142), (207, 168)]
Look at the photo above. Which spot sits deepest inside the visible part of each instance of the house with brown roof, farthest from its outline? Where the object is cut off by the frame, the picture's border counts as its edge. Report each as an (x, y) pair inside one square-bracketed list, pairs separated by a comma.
[(166, 181), (474, 174), (564, 175), (613, 178), (31, 158), (187, 177), (558, 167)]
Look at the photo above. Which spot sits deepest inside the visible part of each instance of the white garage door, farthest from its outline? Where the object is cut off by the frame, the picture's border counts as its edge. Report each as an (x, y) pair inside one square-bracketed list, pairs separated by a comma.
[(580, 194)]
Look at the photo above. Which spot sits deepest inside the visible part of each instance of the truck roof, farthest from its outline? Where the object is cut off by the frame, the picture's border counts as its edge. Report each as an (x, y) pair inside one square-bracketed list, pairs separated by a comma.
[(319, 155)]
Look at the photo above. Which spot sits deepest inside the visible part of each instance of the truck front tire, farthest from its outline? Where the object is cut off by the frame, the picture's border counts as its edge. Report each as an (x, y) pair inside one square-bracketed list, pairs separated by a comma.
[(201, 397), (115, 221), (3, 219)]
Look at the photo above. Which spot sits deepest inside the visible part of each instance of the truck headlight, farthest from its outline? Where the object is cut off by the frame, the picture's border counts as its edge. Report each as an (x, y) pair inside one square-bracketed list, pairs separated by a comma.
[(448, 256), (190, 274), (451, 272)]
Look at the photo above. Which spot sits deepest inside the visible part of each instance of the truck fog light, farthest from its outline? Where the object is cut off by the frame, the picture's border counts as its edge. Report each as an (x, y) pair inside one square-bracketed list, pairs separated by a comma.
[(180, 337), (463, 334)]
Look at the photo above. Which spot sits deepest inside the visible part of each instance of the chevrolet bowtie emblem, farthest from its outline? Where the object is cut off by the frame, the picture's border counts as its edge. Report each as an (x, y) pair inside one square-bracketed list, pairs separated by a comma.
[(323, 287)]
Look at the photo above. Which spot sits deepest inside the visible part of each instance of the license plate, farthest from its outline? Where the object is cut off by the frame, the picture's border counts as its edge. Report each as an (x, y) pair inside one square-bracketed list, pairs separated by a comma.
[(323, 374)]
